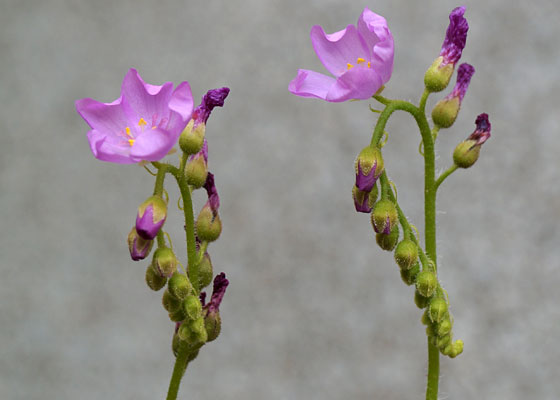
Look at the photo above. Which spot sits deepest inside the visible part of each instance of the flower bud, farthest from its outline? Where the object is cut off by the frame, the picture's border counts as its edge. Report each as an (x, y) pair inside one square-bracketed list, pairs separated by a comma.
[(444, 327), (170, 303), (179, 286), (368, 166), (420, 301), (208, 224), (213, 325), (456, 348), (192, 307), (192, 138), (154, 280), (384, 216), (430, 331), (151, 217), (193, 332), (445, 112), (438, 309), (442, 342), (466, 153), (164, 261), (175, 344), (437, 77), (408, 276), (205, 272), (196, 169), (388, 242), (138, 246), (425, 317), (406, 254), (426, 283), (364, 201), (178, 315)]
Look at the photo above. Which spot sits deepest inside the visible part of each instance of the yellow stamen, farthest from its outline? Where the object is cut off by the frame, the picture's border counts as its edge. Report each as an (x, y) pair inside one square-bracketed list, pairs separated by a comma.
[(131, 142), (127, 129), (349, 65), (361, 60), (142, 122), (369, 64)]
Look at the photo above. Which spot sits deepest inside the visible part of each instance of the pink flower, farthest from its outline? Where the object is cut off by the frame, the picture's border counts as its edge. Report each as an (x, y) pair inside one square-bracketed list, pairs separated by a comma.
[(360, 58), (144, 123)]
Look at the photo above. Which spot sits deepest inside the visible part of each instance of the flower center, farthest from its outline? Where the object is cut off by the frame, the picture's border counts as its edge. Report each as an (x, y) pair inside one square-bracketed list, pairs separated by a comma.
[(128, 132), (359, 61)]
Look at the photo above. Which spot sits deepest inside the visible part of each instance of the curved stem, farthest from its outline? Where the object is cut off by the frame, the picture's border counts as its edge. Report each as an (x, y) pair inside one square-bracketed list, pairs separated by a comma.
[(160, 177), (448, 172), (392, 106), (189, 229), (423, 100), (178, 371)]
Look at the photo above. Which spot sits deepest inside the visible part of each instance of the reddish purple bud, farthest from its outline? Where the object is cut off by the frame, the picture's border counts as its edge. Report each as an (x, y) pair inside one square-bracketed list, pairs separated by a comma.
[(464, 75), (151, 217), (482, 131), (213, 98), (218, 292), (139, 247), (368, 167), (455, 37), (213, 198)]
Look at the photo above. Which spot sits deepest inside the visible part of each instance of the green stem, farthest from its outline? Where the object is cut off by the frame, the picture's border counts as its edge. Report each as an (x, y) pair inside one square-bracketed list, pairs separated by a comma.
[(178, 371), (448, 172), (160, 239), (160, 177), (423, 100), (433, 372)]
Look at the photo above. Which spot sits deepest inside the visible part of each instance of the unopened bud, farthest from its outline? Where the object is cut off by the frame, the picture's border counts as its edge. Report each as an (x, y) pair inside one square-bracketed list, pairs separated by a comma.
[(388, 242), (151, 217), (208, 224), (178, 315), (384, 216), (170, 303), (179, 286), (442, 342), (205, 271), (466, 153), (192, 138), (444, 327), (445, 112), (406, 254), (456, 348), (420, 301), (426, 318), (192, 307), (368, 166), (196, 169), (164, 261), (426, 283), (154, 280), (438, 309), (437, 77), (193, 332), (138, 247), (408, 276), (213, 325)]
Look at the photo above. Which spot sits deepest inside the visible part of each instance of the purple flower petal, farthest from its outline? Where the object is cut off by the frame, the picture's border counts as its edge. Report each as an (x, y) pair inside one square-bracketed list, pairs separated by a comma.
[(355, 83), (378, 37), (311, 84), (213, 98), (152, 145), (455, 37)]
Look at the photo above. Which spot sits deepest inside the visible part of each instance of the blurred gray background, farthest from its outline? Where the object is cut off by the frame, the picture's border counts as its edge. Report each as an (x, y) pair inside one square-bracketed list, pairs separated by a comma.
[(315, 309)]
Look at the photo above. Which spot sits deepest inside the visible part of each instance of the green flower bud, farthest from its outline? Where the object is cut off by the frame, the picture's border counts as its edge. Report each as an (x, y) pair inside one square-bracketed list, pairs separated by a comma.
[(437, 78), (466, 153), (369, 167), (191, 140), (175, 344), (205, 272), (193, 332), (384, 216), (192, 307), (178, 315), (438, 309), (208, 225), (154, 281), (456, 348), (179, 286), (213, 325), (430, 331), (425, 316), (406, 254), (388, 242), (420, 301), (442, 342), (170, 303), (426, 283), (444, 327), (445, 112), (164, 261), (196, 170), (193, 354), (409, 275)]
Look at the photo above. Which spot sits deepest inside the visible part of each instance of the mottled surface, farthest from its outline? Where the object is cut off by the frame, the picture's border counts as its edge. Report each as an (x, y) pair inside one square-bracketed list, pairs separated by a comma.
[(314, 310)]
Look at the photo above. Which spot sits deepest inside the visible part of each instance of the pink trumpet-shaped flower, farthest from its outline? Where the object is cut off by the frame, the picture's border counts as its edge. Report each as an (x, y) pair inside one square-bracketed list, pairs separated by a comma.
[(144, 123), (360, 58)]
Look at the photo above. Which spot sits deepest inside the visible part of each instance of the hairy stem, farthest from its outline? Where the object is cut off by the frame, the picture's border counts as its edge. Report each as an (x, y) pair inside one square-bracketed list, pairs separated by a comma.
[(448, 172), (178, 371)]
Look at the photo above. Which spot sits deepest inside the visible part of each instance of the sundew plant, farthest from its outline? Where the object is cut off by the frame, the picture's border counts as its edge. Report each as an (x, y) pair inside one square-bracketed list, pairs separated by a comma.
[(360, 60), (141, 127)]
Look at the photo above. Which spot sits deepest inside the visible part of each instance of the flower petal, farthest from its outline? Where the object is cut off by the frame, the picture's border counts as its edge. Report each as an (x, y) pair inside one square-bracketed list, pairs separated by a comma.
[(152, 145), (375, 32), (311, 84), (338, 49), (106, 118), (145, 100), (357, 83), (181, 105), (108, 148)]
